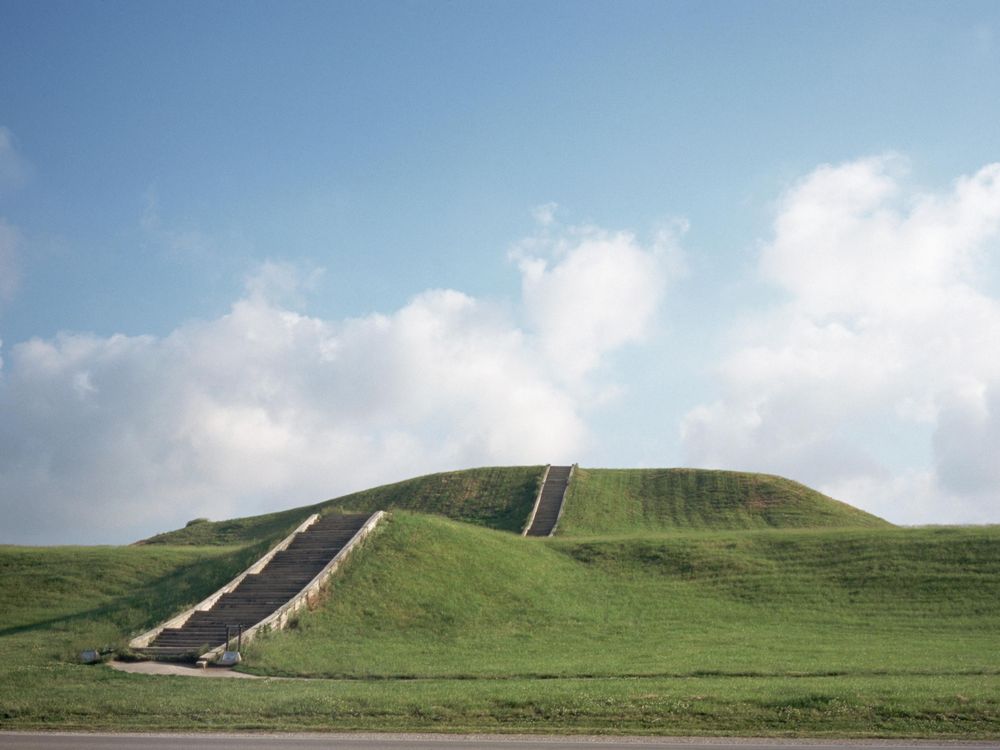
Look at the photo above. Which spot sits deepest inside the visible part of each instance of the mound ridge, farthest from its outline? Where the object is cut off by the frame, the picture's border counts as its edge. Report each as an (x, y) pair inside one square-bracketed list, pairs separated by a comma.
[(599, 501), (496, 497)]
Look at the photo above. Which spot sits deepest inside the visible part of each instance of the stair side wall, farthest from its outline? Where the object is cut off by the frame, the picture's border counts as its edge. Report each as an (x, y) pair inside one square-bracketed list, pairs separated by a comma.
[(538, 501), (279, 619), (144, 639), (562, 500)]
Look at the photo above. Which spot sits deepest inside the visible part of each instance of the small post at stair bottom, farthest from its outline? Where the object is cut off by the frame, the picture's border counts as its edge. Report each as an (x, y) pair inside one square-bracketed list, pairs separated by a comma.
[(229, 657)]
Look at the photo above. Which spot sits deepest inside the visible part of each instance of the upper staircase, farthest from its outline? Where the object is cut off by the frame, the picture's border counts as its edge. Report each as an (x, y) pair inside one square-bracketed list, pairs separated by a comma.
[(548, 505), (259, 594)]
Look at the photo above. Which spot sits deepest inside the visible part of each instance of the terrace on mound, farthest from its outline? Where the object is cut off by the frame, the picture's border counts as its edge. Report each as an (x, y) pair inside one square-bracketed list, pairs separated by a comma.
[(454, 600)]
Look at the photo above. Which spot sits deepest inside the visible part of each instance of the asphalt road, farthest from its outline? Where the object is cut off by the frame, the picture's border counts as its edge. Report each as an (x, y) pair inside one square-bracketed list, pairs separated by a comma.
[(92, 741)]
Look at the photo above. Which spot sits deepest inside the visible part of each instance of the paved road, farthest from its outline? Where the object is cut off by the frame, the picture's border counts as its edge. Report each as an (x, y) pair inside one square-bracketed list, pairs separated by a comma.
[(48, 741)]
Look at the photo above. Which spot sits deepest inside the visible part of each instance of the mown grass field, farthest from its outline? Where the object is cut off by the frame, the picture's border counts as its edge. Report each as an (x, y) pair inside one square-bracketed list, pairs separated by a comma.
[(446, 625)]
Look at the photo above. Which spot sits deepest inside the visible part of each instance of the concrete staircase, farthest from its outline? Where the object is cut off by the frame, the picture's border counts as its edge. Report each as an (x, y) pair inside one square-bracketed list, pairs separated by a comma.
[(258, 595), (549, 502)]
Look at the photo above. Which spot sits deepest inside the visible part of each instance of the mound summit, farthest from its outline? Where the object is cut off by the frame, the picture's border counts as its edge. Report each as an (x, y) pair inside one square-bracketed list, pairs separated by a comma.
[(599, 501)]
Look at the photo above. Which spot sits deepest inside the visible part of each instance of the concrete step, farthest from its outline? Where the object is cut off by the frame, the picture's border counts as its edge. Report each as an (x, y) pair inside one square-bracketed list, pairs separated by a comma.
[(550, 501), (259, 595)]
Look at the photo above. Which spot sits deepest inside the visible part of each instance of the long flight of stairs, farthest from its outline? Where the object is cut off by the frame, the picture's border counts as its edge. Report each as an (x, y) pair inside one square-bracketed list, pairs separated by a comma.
[(260, 594), (550, 501)]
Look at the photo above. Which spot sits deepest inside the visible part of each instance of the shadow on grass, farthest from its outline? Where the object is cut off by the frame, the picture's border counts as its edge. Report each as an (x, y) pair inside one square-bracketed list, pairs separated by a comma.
[(159, 598)]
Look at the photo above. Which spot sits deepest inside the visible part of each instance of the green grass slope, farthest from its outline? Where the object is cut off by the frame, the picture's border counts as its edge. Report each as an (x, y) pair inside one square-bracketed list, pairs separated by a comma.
[(433, 598), (202, 532), (764, 632), (618, 501), (495, 497), (99, 595), (599, 501)]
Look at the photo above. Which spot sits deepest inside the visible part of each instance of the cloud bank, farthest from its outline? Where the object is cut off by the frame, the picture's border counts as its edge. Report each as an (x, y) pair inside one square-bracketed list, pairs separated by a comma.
[(265, 407), (885, 350), (874, 375)]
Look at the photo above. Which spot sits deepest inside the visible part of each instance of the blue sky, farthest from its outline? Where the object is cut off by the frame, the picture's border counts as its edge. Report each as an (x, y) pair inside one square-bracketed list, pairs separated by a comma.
[(238, 241)]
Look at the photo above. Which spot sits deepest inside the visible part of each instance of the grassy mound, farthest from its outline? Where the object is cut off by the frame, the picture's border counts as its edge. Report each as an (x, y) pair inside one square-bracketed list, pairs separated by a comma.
[(867, 633), (433, 598), (599, 501), (617, 501), (496, 497), (201, 532)]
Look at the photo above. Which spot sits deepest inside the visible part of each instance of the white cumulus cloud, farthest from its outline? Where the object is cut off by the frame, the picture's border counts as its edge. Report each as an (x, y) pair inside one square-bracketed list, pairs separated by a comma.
[(589, 291), (111, 438), (890, 331)]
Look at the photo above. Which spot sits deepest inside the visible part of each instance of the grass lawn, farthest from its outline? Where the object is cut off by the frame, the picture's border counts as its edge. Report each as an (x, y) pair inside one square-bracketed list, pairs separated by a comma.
[(78, 697)]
